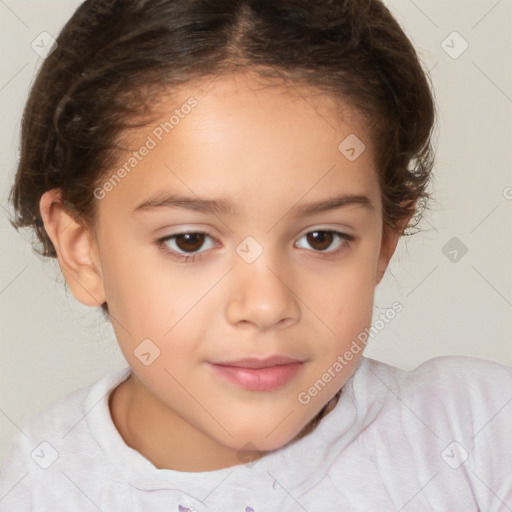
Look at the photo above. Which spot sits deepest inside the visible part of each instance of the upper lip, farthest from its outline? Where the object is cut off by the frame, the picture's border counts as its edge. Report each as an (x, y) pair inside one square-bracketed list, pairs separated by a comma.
[(254, 362)]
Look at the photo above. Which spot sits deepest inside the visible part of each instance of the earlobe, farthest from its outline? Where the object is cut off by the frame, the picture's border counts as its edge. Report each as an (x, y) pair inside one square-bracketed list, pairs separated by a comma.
[(76, 250)]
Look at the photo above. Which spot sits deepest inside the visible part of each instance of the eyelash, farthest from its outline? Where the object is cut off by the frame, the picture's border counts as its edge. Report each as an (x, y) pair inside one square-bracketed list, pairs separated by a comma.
[(161, 243)]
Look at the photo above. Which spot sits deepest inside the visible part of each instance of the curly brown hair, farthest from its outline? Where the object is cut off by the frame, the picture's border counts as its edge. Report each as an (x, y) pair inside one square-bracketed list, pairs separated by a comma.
[(115, 56)]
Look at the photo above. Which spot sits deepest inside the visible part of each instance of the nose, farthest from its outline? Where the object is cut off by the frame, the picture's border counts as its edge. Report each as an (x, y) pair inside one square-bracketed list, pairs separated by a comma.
[(261, 295)]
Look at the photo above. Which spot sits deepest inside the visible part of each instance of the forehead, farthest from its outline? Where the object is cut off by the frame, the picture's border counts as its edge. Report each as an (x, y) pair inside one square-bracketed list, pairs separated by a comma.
[(245, 137), (259, 108)]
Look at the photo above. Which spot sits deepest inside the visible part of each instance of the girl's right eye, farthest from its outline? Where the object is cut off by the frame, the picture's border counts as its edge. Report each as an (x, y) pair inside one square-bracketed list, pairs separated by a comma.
[(184, 246)]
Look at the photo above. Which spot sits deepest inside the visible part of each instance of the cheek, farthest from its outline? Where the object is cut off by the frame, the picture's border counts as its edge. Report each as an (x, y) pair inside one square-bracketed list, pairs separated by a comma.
[(345, 302), (349, 287), (138, 293), (149, 299), (346, 312)]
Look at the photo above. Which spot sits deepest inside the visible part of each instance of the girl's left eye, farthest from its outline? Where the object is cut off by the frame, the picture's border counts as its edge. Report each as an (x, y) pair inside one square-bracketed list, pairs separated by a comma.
[(322, 239), (186, 246)]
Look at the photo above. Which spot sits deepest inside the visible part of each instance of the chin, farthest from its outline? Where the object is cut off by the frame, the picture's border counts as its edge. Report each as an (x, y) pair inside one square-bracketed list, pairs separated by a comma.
[(258, 439)]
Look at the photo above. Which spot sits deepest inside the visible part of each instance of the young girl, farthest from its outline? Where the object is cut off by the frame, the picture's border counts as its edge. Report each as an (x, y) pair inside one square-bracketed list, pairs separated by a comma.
[(228, 181)]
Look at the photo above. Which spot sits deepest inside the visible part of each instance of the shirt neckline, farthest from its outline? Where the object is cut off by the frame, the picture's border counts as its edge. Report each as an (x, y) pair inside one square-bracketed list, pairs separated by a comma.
[(296, 466)]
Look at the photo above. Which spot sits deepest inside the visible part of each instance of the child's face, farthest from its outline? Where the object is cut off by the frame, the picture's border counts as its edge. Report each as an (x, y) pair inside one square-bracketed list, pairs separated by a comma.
[(258, 285)]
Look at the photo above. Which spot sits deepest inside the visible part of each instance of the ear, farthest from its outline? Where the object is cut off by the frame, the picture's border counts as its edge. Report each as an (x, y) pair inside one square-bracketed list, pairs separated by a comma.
[(388, 246), (76, 250)]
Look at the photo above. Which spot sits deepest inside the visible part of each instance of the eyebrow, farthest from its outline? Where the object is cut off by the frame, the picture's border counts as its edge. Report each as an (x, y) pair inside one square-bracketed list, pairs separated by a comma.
[(224, 206)]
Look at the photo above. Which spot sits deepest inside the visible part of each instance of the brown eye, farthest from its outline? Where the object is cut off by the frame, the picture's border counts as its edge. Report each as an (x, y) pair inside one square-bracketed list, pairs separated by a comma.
[(190, 241), (320, 240), (325, 240), (182, 244)]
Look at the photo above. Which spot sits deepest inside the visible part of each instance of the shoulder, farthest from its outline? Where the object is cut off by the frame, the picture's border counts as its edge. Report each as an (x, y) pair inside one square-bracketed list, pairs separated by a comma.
[(438, 434), (446, 377), (62, 416), (49, 441), (444, 383), (444, 399), (457, 396)]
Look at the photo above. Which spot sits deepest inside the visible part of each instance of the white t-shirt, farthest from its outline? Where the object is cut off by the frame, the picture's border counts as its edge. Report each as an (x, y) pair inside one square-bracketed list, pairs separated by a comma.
[(437, 438)]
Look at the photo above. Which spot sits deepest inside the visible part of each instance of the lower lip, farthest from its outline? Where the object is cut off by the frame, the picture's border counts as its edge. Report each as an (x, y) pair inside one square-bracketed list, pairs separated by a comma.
[(259, 379)]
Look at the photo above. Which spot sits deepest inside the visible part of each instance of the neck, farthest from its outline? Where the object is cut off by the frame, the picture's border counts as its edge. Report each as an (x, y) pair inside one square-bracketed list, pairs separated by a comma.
[(163, 437)]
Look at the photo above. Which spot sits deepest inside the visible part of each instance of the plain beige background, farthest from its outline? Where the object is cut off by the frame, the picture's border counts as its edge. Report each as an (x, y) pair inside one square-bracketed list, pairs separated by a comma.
[(454, 302)]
